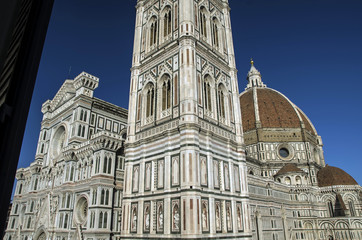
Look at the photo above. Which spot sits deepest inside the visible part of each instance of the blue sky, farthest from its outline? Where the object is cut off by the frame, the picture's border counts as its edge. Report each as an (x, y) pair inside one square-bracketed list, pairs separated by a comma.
[(310, 50)]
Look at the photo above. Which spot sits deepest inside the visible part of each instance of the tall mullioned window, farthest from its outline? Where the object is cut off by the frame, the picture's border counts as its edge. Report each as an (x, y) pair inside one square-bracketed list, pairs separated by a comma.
[(221, 102), (207, 95), (153, 32), (215, 32), (203, 22), (150, 97), (166, 93), (167, 22)]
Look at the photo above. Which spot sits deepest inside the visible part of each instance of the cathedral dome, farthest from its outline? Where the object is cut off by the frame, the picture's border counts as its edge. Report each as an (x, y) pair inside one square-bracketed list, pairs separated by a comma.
[(269, 108), (263, 107), (289, 168), (333, 176)]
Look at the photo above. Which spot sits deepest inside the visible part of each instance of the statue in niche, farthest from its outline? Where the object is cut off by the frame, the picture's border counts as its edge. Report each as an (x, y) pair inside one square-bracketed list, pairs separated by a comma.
[(218, 220), (203, 172), (228, 218), (135, 179), (147, 218), (175, 170), (134, 219), (216, 174), (239, 218), (148, 176), (227, 178), (236, 178), (160, 174), (160, 217), (204, 217), (176, 218)]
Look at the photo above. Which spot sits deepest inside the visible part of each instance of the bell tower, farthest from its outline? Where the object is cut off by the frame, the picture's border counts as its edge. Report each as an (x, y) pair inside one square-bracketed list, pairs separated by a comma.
[(185, 171)]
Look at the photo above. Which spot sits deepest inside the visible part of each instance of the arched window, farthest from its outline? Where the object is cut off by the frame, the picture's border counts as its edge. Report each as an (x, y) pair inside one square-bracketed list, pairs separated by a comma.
[(166, 93), (351, 208), (20, 188), (203, 22), (288, 181), (83, 131), (79, 130), (97, 164), (215, 32), (44, 135), (36, 184), (330, 208), (221, 102), (42, 148), (81, 115), (298, 180), (32, 206), (68, 201), (92, 219), (102, 197), (100, 220), (107, 197), (94, 199), (29, 223), (71, 173), (167, 22), (16, 208), (66, 221), (150, 97), (61, 221), (13, 224), (105, 164), (207, 95), (153, 32), (105, 220), (109, 171)]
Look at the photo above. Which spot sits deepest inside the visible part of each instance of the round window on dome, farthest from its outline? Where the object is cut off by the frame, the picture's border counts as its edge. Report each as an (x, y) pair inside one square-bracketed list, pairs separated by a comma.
[(284, 152)]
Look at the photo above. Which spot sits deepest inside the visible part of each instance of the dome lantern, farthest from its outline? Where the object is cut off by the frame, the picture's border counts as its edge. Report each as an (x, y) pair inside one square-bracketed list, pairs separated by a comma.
[(254, 77)]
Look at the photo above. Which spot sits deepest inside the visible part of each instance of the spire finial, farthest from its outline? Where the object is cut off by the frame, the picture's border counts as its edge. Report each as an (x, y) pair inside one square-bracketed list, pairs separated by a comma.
[(251, 62)]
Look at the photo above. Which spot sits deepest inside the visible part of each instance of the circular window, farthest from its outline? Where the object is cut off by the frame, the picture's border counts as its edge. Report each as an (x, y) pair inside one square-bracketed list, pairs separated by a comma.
[(58, 141), (81, 210), (284, 152)]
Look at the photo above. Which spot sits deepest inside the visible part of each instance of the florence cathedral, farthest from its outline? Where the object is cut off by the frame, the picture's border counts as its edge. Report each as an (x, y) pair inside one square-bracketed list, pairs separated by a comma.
[(191, 158)]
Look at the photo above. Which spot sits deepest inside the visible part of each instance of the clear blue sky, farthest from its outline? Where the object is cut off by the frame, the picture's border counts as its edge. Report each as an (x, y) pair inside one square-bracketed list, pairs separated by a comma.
[(310, 50)]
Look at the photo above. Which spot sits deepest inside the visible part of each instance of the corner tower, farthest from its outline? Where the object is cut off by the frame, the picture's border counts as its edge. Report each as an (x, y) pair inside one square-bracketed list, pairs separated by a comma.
[(185, 158)]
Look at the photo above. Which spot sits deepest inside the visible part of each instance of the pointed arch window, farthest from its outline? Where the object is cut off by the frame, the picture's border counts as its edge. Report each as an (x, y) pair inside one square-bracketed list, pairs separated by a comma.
[(68, 201), (150, 97), (207, 95), (221, 102), (215, 32), (330, 209), (351, 208), (105, 165), (153, 32), (167, 23), (105, 220), (107, 197), (203, 22), (29, 223), (166, 93), (100, 220), (102, 196), (94, 199), (66, 221), (109, 170)]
